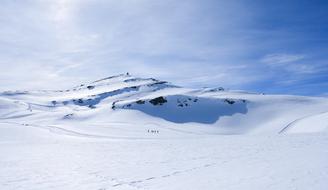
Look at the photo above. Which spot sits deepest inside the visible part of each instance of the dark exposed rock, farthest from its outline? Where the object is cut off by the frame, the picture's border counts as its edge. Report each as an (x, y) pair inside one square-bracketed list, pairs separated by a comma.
[(229, 101), (113, 106), (68, 116), (216, 89), (140, 102), (54, 103), (157, 83), (90, 87), (92, 106), (158, 101)]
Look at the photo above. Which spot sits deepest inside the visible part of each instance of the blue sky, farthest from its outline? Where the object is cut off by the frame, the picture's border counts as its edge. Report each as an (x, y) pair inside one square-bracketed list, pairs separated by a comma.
[(264, 46)]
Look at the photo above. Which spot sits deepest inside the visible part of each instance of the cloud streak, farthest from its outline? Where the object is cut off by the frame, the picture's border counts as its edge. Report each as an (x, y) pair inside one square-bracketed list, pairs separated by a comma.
[(281, 59)]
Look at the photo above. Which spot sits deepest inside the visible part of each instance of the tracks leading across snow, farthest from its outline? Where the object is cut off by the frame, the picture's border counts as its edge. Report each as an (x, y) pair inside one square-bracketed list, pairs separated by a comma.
[(70, 132), (295, 122)]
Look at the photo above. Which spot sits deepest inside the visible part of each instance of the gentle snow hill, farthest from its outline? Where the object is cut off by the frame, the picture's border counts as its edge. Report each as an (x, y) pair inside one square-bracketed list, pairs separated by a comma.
[(124, 132), (127, 106)]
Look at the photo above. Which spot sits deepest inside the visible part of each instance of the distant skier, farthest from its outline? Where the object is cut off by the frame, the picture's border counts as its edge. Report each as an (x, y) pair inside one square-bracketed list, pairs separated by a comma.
[(153, 131)]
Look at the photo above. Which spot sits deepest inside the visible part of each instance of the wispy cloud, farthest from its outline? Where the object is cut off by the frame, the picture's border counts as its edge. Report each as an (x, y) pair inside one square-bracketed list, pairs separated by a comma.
[(281, 59), (292, 63)]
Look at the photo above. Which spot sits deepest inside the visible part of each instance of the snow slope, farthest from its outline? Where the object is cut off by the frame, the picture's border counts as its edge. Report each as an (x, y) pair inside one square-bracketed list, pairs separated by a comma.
[(124, 98), (124, 132)]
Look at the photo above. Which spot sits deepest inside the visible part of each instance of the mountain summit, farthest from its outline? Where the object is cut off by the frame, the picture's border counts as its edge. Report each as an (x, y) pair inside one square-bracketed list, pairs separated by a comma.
[(141, 101)]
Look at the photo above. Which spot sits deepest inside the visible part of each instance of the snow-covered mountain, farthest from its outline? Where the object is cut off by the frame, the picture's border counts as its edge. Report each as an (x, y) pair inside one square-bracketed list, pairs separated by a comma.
[(124, 133), (151, 104)]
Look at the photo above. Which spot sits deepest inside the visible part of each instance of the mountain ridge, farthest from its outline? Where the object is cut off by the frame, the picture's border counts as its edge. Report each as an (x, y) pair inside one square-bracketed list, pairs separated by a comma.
[(135, 100)]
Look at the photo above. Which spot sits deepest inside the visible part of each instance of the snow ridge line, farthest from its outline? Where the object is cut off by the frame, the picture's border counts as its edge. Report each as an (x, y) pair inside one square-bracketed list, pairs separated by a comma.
[(297, 120)]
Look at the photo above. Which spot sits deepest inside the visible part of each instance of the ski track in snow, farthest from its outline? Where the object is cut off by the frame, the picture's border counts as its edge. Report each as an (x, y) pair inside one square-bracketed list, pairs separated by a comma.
[(295, 122), (63, 131)]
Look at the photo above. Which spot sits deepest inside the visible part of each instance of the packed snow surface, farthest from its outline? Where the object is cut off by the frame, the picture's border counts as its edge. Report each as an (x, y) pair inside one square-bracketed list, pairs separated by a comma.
[(124, 132)]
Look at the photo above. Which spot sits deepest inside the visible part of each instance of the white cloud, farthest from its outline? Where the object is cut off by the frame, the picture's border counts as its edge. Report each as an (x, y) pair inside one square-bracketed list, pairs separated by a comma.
[(281, 59)]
